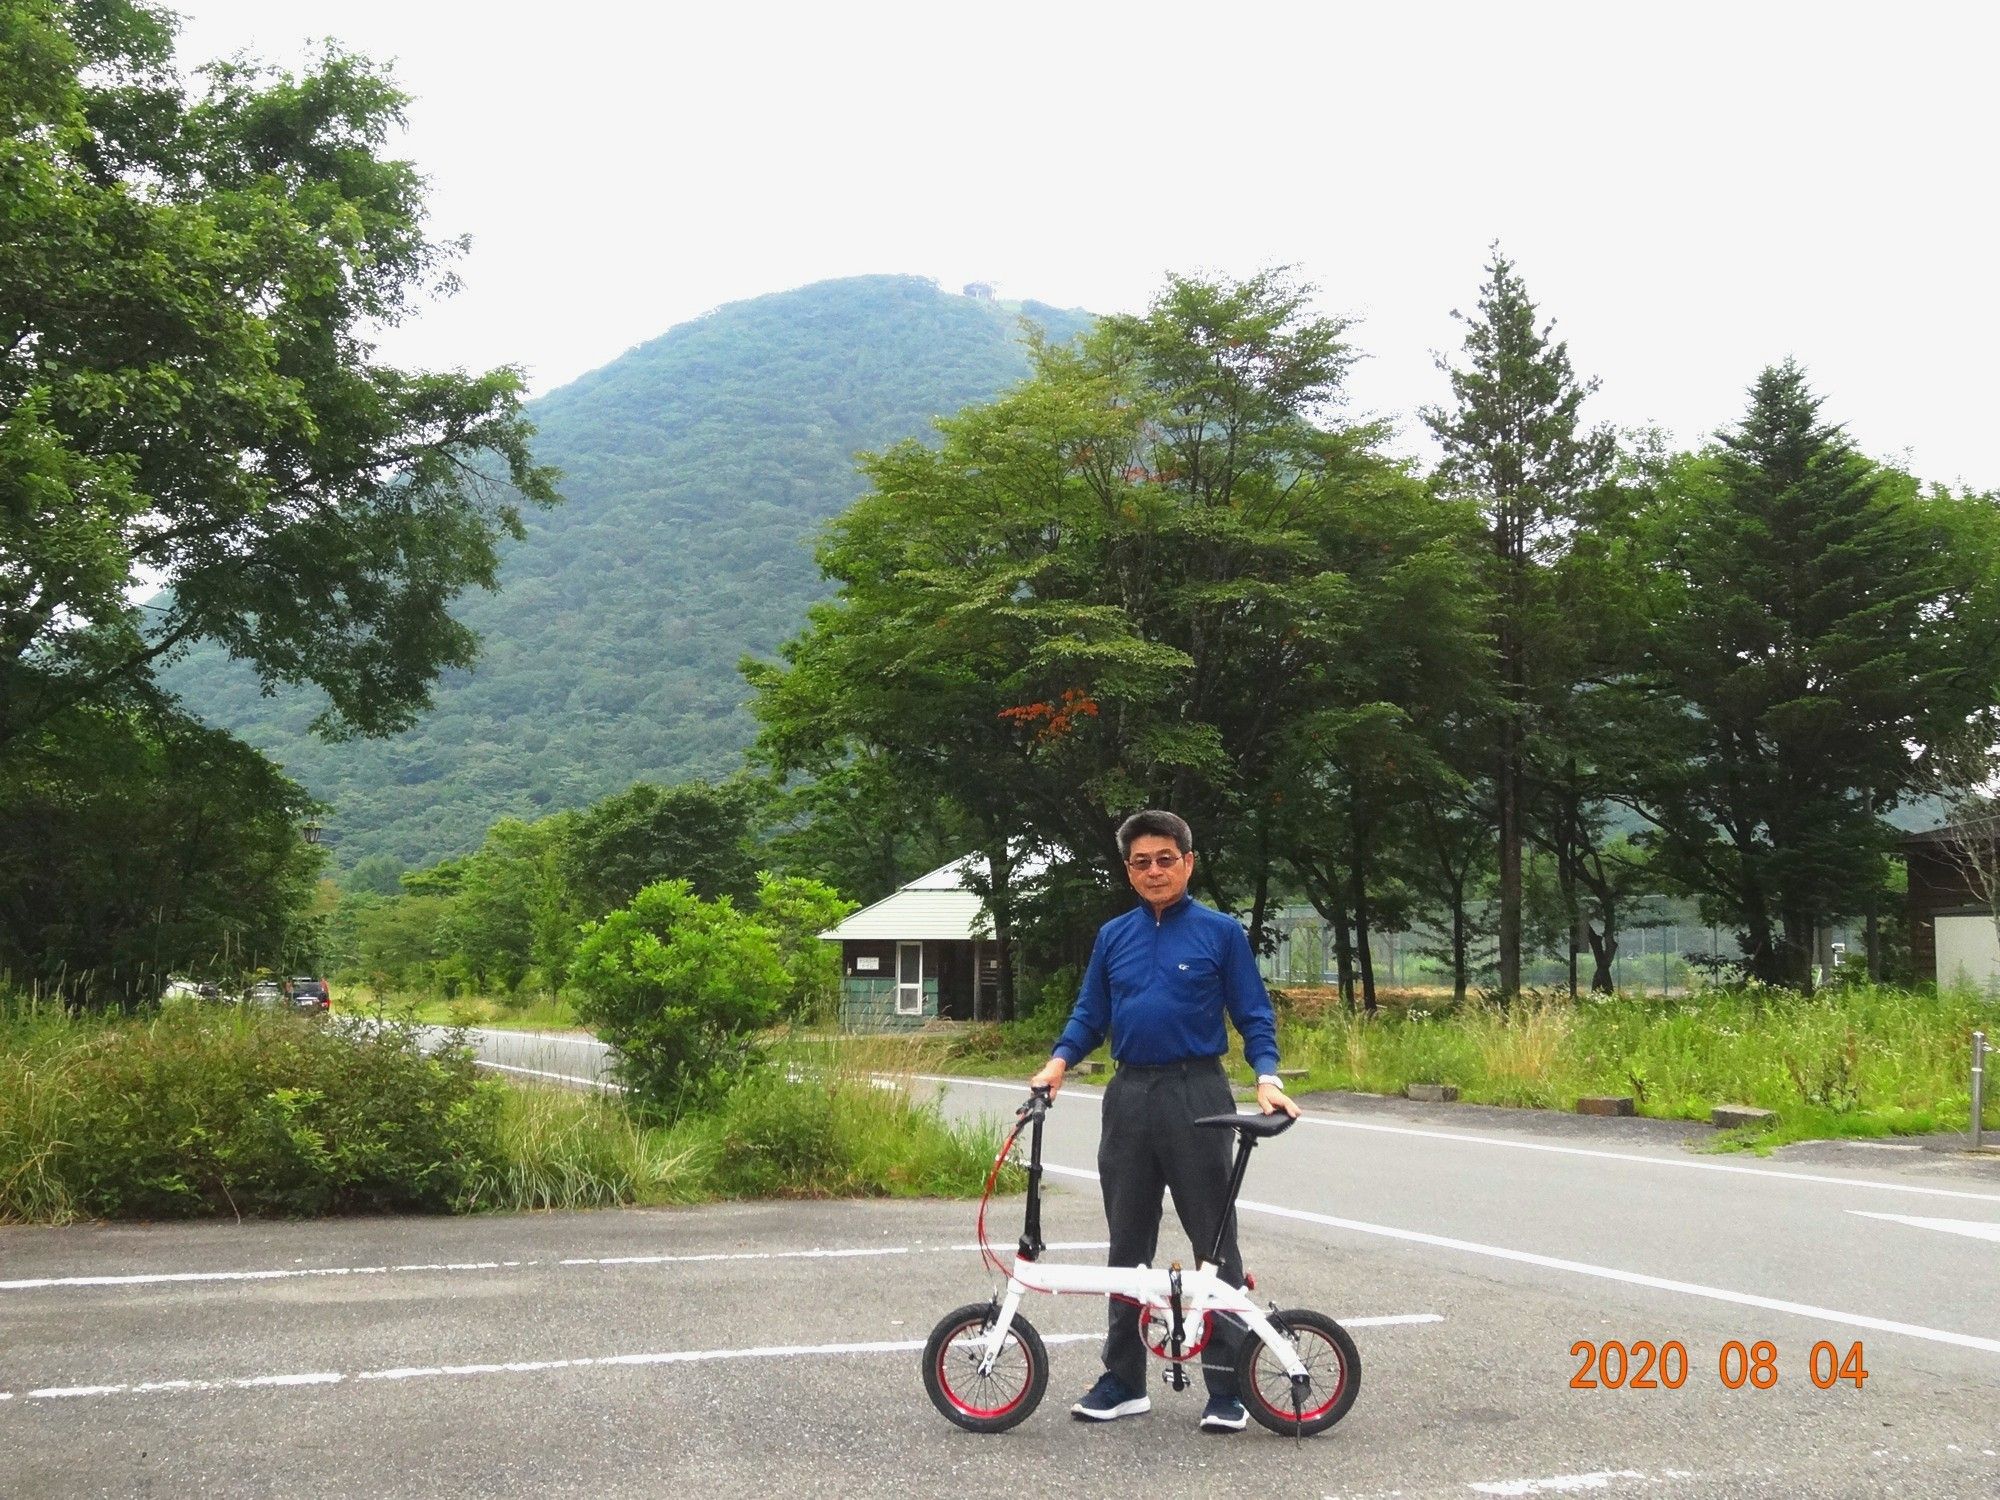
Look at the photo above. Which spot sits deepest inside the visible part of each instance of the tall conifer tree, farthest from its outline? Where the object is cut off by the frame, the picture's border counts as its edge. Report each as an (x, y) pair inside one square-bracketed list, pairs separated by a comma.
[(1809, 648), (1513, 444)]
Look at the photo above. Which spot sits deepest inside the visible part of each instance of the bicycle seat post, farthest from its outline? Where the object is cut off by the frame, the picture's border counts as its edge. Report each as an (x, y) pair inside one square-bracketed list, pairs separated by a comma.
[(1245, 1143)]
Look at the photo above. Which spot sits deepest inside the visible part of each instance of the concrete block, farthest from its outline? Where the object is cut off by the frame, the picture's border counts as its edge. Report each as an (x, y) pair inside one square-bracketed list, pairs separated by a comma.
[(1290, 1075), (1606, 1104), (1431, 1093), (1087, 1067), (1734, 1116)]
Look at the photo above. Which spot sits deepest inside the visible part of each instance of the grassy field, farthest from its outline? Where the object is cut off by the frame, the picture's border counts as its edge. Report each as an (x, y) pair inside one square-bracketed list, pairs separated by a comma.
[(500, 1012), (204, 1110), (1857, 1061)]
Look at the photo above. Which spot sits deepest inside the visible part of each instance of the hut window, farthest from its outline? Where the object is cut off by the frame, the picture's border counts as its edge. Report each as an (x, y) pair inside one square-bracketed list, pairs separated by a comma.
[(909, 979)]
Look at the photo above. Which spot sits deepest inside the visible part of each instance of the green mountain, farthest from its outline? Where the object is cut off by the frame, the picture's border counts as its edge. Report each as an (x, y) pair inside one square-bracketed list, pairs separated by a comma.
[(697, 468)]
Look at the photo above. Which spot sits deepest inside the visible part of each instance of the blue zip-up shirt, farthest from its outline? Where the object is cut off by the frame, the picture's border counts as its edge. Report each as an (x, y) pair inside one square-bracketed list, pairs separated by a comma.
[(1161, 986)]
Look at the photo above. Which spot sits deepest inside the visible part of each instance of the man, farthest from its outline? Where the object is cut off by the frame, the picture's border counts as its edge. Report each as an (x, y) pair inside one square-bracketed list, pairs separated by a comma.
[(1161, 979)]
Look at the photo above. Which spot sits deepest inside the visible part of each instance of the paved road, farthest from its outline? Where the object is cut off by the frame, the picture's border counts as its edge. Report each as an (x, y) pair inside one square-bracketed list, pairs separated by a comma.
[(623, 1353)]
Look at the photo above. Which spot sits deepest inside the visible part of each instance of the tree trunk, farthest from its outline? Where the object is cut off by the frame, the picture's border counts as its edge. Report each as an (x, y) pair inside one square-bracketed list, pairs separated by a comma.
[(1507, 789), (1602, 951), (1343, 954), (1363, 957), (1260, 900), (1874, 937), (1796, 954), (1760, 952), (1461, 975), (1001, 869)]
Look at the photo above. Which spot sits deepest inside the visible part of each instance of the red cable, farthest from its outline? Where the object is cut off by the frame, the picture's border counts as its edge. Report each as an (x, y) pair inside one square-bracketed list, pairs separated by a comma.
[(986, 1254)]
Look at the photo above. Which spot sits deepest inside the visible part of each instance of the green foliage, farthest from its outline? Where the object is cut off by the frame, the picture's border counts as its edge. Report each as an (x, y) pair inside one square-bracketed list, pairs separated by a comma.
[(835, 1136), (188, 396), (207, 1111), (134, 843), (186, 288), (1514, 447), (1861, 1060), (512, 909), (1808, 654), (559, 1149), (796, 911), (680, 987), (1080, 599), (696, 469), (697, 831)]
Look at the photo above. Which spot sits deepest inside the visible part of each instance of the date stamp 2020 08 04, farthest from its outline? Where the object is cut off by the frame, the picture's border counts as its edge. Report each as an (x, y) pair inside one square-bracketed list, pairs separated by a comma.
[(1646, 1365)]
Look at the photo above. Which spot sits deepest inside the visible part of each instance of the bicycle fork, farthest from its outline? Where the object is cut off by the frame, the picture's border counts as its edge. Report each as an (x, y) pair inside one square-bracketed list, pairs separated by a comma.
[(1003, 1319)]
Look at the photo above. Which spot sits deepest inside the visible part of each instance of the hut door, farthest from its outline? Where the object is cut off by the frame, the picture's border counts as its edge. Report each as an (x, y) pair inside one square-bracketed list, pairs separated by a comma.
[(909, 979)]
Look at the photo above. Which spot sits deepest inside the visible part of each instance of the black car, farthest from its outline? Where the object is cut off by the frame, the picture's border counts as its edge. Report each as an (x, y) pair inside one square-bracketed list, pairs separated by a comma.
[(309, 994)]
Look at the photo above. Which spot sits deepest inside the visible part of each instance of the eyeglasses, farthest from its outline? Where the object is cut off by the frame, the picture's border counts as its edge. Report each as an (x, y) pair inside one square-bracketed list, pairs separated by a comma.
[(1143, 862)]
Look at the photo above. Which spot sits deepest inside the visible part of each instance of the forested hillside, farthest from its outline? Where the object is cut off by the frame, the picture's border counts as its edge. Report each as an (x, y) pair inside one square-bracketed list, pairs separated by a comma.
[(697, 469)]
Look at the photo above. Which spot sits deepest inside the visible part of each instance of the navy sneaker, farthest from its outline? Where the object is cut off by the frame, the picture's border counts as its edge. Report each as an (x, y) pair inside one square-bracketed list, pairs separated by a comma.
[(1224, 1414), (1110, 1399)]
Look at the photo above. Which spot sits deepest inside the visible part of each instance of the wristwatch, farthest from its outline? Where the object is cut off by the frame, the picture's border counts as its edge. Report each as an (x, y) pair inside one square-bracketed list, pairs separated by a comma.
[(1273, 1079)]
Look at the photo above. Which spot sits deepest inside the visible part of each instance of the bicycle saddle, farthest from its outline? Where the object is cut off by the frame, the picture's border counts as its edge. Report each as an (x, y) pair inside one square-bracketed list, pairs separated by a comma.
[(1259, 1126)]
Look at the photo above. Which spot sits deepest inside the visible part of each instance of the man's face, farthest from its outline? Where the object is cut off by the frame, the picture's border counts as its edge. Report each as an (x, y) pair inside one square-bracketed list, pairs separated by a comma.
[(1166, 870)]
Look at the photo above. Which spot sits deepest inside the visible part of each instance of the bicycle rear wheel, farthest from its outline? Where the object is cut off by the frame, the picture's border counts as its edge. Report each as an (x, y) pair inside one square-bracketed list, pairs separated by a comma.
[(1332, 1363), (999, 1398)]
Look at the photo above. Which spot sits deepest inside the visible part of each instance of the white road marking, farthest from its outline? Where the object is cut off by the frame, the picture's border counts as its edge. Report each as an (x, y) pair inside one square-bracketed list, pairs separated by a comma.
[(35, 1283), (1391, 1320), (537, 1366), (589, 1083), (1548, 1147), (1570, 1484), (542, 1036), (161, 1278), (667, 1260), (1973, 1228), (1606, 1273), (510, 1367)]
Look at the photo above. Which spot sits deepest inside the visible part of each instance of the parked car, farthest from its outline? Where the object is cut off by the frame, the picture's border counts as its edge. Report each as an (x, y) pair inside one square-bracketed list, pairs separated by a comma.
[(181, 988), (265, 992), (309, 994)]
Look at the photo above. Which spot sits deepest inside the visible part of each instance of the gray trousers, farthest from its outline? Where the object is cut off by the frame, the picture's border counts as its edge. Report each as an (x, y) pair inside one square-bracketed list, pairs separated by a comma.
[(1149, 1143)]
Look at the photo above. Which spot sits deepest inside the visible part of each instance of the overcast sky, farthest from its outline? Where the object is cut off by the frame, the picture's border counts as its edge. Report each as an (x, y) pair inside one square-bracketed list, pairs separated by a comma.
[(1692, 190)]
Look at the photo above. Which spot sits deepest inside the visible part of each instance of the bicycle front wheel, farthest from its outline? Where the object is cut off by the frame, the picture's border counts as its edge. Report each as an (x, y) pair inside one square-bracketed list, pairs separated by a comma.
[(998, 1398), (1332, 1363)]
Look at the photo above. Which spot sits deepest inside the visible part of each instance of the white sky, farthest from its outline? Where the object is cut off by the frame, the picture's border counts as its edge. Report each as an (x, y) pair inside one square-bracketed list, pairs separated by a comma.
[(1693, 190)]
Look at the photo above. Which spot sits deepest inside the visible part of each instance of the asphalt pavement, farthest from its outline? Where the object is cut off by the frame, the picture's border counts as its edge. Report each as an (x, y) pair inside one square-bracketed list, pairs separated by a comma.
[(772, 1347)]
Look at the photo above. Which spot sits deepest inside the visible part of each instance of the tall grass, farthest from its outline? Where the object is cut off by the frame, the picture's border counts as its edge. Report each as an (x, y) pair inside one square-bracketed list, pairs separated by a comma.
[(527, 1012), (201, 1109), (559, 1148), (1861, 1060)]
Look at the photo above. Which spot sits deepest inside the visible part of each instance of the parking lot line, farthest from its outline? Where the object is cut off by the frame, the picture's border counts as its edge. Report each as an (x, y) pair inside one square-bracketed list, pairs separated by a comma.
[(324, 1378)]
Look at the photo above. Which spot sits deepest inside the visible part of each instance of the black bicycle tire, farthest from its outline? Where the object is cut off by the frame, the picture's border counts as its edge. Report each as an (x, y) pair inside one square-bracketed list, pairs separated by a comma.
[(979, 1315), (1253, 1352)]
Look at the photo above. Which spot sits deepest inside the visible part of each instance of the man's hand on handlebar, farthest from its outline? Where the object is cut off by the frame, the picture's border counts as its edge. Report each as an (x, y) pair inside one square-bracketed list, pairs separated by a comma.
[(1050, 1077)]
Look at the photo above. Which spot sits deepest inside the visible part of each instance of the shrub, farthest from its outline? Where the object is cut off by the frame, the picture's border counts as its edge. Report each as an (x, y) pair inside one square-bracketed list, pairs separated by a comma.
[(680, 987), (206, 1111), (835, 1135), (796, 911)]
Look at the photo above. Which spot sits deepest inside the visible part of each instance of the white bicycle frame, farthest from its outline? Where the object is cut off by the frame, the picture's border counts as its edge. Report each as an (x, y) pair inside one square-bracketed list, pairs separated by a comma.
[(1202, 1291)]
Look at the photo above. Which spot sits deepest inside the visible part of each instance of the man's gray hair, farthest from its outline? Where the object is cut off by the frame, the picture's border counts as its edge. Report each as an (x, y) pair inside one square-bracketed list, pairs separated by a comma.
[(1154, 823)]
